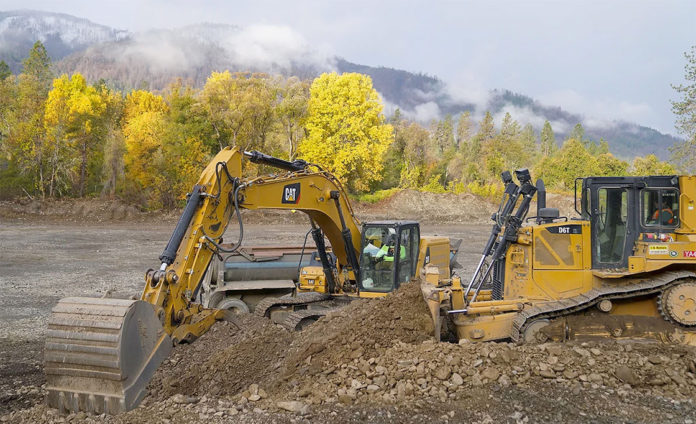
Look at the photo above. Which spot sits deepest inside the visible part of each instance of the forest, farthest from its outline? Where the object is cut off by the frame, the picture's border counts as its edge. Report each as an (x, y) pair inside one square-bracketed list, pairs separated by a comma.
[(62, 136)]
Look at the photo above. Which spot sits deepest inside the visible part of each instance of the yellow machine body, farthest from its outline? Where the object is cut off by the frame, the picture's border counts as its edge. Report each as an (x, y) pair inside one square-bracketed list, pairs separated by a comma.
[(554, 288)]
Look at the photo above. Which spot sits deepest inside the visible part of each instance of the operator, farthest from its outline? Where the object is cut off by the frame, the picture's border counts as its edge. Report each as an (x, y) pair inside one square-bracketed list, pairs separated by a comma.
[(663, 216), (387, 251)]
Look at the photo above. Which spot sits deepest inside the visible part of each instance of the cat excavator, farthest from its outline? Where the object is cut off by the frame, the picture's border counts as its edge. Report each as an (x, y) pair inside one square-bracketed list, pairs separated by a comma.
[(625, 268), (100, 353)]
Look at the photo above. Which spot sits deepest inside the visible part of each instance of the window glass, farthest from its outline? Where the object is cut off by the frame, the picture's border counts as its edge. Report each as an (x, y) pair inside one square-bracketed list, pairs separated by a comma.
[(405, 249), (610, 223), (660, 207), (377, 259)]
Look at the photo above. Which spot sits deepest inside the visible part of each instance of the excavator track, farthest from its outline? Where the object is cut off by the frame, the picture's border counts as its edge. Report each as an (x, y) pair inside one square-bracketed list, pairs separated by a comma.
[(569, 306), (297, 321), (101, 353), (263, 307)]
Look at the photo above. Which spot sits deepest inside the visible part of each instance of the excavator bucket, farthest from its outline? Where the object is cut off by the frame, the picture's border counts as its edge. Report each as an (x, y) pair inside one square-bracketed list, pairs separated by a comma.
[(101, 353)]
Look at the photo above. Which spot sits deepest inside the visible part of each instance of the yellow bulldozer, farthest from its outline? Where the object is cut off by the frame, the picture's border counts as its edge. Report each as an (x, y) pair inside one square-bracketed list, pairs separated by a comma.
[(101, 352), (625, 268)]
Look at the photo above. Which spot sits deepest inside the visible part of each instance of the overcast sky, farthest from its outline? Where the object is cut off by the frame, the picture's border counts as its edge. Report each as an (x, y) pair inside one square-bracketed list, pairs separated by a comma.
[(604, 59)]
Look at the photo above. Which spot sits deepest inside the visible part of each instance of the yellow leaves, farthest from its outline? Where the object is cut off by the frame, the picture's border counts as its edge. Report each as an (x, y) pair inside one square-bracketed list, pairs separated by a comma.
[(346, 130), (240, 106)]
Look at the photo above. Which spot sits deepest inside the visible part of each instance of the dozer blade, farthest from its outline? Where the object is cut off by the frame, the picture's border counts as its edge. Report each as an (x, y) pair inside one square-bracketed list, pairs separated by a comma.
[(101, 353)]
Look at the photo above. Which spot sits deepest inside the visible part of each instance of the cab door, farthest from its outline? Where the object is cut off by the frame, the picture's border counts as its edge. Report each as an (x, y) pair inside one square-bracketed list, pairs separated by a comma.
[(611, 216), (408, 246)]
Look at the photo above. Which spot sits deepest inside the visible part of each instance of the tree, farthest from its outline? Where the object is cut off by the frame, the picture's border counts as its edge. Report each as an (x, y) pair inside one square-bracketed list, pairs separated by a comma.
[(684, 154), (143, 130), (528, 139), (292, 110), (347, 132), (418, 157), (608, 165), (570, 162), (578, 133), (464, 128), (4, 70), (444, 134), (486, 130), (73, 109), (240, 107), (548, 140), (38, 65), (651, 165)]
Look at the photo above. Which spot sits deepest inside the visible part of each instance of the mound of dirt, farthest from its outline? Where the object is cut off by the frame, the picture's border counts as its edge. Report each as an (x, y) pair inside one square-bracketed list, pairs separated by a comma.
[(77, 210), (224, 361), (429, 208)]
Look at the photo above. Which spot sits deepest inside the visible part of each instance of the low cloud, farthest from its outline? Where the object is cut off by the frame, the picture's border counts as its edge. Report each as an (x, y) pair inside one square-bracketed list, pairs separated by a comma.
[(599, 112), (266, 48)]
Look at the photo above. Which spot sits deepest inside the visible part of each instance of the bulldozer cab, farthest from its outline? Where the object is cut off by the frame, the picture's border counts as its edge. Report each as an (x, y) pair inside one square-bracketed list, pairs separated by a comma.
[(388, 255), (622, 210)]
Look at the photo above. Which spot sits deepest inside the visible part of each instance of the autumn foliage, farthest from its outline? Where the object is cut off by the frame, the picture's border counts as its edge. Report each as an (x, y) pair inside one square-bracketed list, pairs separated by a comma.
[(61, 136)]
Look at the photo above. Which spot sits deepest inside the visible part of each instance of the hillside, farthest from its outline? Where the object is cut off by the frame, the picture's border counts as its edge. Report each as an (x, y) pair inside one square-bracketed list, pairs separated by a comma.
[(152, 59), (61, 34)]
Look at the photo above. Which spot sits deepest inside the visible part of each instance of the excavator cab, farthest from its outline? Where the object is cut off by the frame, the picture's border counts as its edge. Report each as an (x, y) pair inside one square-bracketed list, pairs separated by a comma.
[(389, 255)]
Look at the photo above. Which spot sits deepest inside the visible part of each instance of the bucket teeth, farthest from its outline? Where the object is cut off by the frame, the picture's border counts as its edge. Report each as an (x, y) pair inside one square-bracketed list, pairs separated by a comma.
[(101, 353)]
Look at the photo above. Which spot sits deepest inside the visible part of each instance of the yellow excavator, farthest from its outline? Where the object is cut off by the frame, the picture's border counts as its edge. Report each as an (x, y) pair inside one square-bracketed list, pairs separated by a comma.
[(625, 268), (101, 352)]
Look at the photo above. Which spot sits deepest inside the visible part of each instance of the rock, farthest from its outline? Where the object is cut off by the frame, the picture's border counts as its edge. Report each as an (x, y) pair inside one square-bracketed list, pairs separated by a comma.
[(443, 373), (595, 378), (626, 375), (254, 398), (181, 399), (254, 389), (595, 351), (547, 373), (456, 380), (294, 406), (654, 359), (570, 374), (372, 388), (491, 373), (582, 352)]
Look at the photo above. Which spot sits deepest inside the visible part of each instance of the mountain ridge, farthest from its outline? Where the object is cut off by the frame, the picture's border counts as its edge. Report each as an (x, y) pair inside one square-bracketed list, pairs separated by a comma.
[(153, 58)]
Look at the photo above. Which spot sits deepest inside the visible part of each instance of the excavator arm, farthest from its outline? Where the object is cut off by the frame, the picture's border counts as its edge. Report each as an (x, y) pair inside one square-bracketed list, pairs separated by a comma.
[(101, 353)]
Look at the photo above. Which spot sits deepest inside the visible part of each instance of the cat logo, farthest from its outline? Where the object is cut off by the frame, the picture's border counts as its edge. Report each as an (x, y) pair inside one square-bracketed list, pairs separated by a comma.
[(291, 193)]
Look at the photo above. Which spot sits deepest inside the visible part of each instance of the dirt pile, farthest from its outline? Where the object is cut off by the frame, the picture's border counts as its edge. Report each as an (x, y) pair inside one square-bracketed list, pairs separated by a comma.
[(224, 361), (429, 208), (77, 210)]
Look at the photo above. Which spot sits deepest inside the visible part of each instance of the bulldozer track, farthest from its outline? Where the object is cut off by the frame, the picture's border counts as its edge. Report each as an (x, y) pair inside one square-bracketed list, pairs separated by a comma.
[(294, 318), (563, 307), (264, 306)]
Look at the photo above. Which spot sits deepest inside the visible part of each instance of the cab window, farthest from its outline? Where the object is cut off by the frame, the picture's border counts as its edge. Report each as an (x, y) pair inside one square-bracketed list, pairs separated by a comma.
[(660, 207), (377, 259)]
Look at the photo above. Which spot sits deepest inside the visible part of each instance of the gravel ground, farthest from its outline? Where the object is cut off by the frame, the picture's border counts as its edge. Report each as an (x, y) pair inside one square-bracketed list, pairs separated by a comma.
[(370, 362)]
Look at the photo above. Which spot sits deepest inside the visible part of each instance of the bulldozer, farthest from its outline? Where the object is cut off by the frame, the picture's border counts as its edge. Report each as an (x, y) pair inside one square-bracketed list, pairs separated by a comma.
[(100, 353), (624, 268)]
